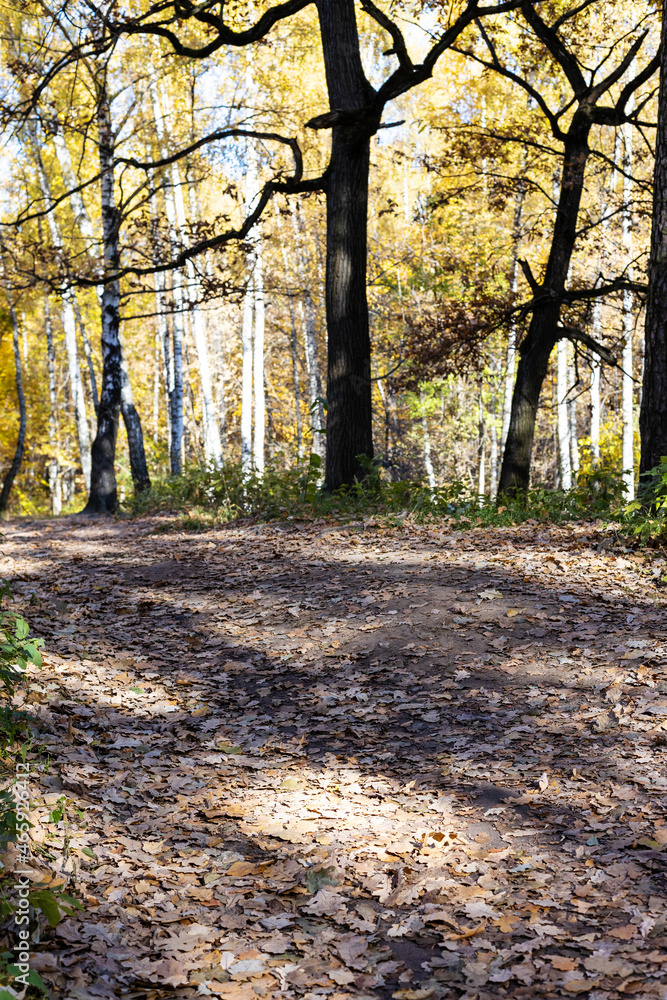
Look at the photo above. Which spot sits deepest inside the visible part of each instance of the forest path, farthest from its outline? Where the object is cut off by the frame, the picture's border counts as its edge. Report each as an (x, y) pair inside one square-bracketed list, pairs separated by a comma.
[(367, 762)]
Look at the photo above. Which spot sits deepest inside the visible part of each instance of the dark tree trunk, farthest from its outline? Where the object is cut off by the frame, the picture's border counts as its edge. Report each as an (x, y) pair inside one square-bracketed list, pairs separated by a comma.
[(653, 412), (543, 332), (135, 435), (102, 498), (349, 415), (13, 470)]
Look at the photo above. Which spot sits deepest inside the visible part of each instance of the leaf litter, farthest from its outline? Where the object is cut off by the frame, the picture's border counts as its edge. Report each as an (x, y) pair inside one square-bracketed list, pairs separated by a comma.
[(300, 762)]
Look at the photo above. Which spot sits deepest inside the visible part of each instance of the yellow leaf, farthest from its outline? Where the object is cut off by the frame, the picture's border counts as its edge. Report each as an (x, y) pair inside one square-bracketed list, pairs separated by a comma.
[(239, 869)]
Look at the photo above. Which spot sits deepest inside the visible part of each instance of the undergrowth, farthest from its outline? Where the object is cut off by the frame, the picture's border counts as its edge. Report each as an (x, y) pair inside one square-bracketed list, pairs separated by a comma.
[(19, 753), (204, 497)]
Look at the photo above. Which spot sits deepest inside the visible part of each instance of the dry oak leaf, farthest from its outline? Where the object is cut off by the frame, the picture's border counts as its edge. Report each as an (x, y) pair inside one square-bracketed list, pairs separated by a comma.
[(624, 933), (608, 966), (563, 962), (239, 869), (580, 985)]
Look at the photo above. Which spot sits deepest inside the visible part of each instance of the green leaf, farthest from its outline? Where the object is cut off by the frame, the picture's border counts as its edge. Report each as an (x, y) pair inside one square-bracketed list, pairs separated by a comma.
[(45, 901), (22, 628), (324, 876), (89, 854)]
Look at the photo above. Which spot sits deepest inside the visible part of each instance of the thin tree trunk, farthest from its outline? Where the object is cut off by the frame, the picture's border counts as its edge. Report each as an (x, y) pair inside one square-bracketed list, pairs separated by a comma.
[(307, 310), (246, 379), (294, 344), (512, 335), (69, 324), (481, 449), (87, 350), (426, 438), (573, 416), (349, 414), (258, 362), (135, 438), (55, 488), (130, 415), (564, 464), (102, 498), (176, 393), (628, 326), (212, 446), (13, 470), (595, 386)]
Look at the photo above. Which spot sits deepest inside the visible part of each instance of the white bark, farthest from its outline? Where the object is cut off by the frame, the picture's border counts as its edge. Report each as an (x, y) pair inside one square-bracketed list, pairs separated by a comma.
[(55, 486), (307, 310), (481, 451), (428, 462), (69, 328), (294, 344), (595, 386), (628, 324), (258, 362), (176, 394), (246, 379), (574, 424), (565, 467)]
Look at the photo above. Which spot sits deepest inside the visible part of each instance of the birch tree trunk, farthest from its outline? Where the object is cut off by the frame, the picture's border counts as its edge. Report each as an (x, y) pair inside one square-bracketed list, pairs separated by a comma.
[(13, 470), (246, 378), (131, 419), (307, 310), (212, 445), (176, 391), (628, 325), (69, 325), (426, 437), (294, 344), (102, 497), (481, 450), (595, 386), (574, 424), (53, 469), (564, 466), (258, 362)]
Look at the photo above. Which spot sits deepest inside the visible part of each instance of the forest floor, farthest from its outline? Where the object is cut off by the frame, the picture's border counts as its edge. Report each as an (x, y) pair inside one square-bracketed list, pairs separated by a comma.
[(302, 760)]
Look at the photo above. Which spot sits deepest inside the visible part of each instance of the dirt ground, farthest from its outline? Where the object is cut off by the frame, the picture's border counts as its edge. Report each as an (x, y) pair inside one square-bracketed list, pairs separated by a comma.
[(304, 761)]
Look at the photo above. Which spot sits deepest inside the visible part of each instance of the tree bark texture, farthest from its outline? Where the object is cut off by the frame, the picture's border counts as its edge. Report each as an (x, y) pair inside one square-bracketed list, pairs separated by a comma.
[(349, 415), (653, 414), (13, 470), (102, 498), (53, 468), (543, 332)]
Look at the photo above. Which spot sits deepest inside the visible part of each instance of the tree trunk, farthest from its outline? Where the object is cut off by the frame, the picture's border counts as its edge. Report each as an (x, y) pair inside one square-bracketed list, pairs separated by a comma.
[(349, 415), (294, 344), (135, 437), (307, 310), (53, 472), (246, 378), (426, 437), (258, 362), (512, 335), (543, 331), (595, 386), (481, 449), (628, 326), (564, 466), (102, 498), (176, 386), (12, 472)]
